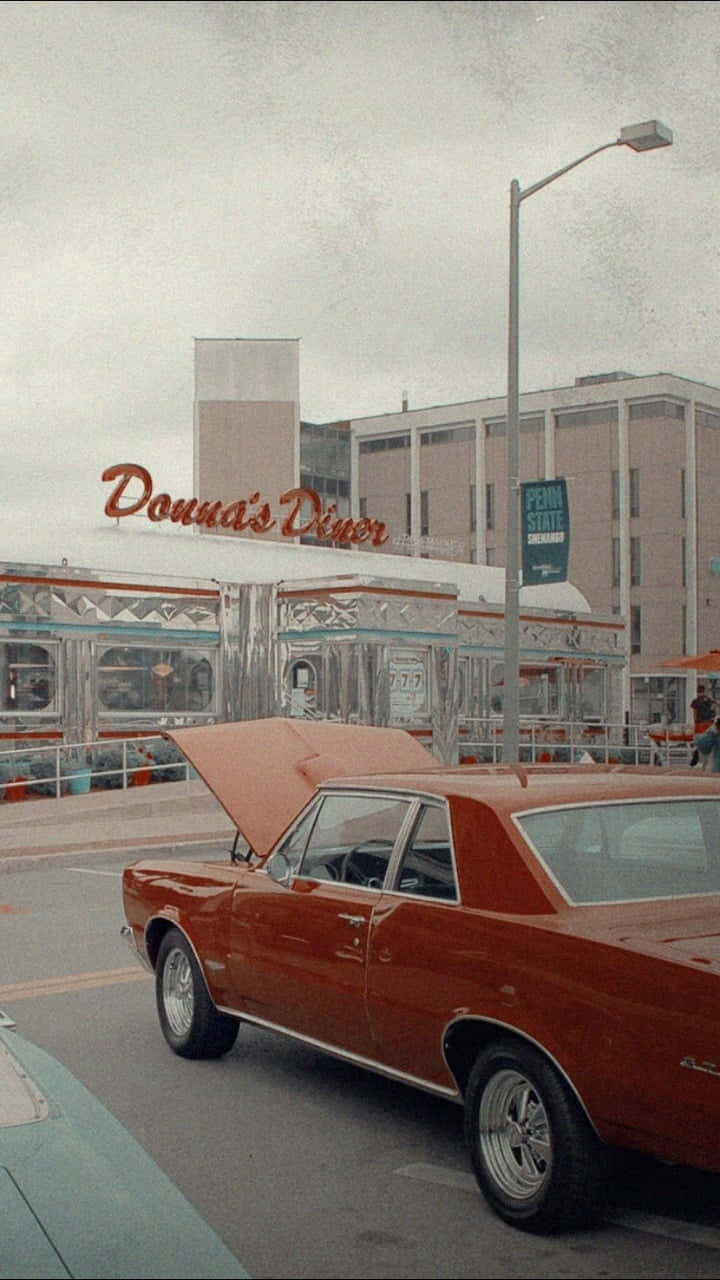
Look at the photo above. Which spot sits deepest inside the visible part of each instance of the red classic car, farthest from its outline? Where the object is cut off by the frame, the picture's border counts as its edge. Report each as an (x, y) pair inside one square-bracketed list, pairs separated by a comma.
[(539, 943)]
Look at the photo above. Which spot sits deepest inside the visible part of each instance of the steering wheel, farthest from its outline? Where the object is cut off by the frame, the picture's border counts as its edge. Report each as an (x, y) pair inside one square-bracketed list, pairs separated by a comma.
[(352, 873)]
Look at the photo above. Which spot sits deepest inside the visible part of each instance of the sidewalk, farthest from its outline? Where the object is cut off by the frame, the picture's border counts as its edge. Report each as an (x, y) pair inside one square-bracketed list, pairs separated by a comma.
[(142, 817)]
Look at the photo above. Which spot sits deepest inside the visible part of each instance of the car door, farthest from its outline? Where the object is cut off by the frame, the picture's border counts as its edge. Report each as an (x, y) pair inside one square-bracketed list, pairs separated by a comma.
[(417, 957), (299, 945)]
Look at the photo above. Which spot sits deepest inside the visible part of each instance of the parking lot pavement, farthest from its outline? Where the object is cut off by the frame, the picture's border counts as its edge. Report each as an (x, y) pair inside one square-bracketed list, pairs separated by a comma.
[(159, 814)]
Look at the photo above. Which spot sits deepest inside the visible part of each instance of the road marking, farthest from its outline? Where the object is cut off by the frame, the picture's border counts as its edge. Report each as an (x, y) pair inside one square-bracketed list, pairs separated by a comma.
[(687, 1232), (90, 871), (72, 982), (439, 1175)]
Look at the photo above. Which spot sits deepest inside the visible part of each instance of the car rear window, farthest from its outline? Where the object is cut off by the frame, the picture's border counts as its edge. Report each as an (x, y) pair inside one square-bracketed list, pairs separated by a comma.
[(629, 851)]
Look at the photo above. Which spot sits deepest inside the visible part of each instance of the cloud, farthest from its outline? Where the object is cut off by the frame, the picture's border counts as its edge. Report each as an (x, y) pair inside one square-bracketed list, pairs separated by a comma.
[(338, 173)]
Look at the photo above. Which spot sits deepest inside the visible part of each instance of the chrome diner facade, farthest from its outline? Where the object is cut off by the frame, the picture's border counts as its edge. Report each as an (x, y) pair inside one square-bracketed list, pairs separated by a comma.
[(128, 629)]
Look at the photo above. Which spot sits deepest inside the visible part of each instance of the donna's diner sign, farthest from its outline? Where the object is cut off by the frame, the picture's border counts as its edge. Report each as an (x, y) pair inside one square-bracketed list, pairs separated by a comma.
[(305, 513)]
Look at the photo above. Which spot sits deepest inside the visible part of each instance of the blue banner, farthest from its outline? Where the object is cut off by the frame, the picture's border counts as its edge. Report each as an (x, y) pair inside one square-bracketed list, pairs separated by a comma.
[(545, 531)]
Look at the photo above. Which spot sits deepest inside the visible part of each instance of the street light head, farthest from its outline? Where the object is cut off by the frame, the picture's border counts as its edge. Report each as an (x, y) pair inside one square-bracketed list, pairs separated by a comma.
[(647, 136)]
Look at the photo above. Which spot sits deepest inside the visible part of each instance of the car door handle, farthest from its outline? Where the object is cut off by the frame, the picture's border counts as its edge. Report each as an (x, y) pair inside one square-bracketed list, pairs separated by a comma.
[(357, 921)]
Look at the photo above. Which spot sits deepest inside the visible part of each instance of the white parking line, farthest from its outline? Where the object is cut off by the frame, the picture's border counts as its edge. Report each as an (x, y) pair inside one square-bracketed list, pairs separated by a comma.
[(671, 1228), (90, 871)]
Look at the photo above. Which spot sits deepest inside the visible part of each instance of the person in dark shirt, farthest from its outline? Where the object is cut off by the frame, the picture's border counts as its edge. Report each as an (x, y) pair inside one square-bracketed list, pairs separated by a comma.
[(703, 708)]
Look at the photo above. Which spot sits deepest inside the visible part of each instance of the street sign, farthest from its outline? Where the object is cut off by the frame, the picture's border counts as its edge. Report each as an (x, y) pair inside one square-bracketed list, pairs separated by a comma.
[(545, 531)]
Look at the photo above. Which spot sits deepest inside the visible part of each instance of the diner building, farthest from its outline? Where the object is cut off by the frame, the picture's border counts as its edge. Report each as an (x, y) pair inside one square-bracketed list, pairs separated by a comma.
[(216, 628)]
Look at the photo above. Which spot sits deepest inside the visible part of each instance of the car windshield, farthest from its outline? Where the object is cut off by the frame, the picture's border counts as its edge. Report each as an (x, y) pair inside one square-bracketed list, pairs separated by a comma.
[(629, 851)]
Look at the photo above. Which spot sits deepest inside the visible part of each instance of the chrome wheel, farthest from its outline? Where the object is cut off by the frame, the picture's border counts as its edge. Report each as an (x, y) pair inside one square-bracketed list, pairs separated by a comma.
[(190, 1022), (536, 1157), (514, 1135), (178, 992)]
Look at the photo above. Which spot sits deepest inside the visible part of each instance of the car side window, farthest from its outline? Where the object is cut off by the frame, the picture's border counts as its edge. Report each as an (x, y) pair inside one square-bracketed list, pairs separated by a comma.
[(353, 838), (294, 844), (427, 866)]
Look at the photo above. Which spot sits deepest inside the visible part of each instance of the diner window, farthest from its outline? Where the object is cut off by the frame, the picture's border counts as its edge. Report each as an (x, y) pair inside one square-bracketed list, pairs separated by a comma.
[(592, 693), (304, 681), (27, 677), (539, 691), (138, 679)]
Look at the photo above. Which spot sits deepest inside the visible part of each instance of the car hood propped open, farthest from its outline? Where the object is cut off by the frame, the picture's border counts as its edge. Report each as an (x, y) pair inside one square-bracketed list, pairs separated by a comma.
[(264, 771)]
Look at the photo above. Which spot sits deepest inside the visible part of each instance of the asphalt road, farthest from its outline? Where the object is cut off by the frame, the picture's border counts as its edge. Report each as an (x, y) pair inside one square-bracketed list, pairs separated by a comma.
[(307, 1167)]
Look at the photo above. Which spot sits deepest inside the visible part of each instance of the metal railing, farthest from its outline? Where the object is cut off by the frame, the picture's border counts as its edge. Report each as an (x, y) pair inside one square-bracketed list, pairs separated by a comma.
[(60, 769), (481, 740)]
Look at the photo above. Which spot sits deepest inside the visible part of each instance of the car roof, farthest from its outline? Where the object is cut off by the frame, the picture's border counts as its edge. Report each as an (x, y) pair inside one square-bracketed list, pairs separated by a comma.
[(264, 772), (516, 788)]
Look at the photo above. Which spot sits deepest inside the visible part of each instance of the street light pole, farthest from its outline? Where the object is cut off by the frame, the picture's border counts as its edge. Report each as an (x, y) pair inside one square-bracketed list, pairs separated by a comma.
[(640, 137)]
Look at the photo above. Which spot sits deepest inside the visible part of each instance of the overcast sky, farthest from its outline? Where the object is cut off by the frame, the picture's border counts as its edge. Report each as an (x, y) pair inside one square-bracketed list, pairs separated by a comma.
[(339, 173)]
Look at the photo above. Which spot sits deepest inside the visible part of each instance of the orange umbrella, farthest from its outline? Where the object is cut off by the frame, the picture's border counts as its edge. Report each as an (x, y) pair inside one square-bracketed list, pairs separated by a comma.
[(709, 661)]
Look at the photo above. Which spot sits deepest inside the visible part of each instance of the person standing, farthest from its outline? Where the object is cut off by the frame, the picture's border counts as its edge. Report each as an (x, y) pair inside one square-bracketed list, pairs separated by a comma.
[(707, 744), (703, 708)]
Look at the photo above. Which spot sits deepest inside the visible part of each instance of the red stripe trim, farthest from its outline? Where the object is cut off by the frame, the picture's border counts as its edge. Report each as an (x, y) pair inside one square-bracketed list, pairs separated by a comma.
[(366, 590), (39, 733), (110, 586)]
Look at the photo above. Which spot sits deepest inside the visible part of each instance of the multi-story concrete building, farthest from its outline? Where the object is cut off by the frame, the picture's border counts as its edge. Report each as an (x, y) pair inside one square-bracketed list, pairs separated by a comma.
[(641, 457)]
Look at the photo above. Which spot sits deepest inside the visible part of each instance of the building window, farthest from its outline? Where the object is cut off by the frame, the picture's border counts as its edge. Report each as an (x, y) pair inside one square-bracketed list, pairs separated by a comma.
[(635, 562), (683, 561), (683, 495), (362, 507), (490, 506), (448, 435), (473, 521), (324, 457), (135, 679), (635, 628), (27, 678), (379, 444), (615, 495), (424, 513), (656, 409), (705, 418), (616, 562), (634, 491), (586, 417), (408, 513), (529, 423)]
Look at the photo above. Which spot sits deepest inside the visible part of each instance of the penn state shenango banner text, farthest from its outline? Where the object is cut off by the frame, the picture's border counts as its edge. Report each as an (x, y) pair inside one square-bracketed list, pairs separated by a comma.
[(545, 531)]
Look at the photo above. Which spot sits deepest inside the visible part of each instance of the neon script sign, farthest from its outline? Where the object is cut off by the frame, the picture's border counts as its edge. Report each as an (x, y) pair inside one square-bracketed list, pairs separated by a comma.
[(305, 513)]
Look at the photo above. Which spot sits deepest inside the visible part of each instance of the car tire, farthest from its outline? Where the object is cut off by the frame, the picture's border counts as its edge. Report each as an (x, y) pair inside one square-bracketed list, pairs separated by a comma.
[(536, 1158), (191, 1024)]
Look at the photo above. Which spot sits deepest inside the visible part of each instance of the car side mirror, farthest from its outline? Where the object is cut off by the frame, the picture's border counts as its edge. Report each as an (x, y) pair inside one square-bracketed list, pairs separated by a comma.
[(279, 868)]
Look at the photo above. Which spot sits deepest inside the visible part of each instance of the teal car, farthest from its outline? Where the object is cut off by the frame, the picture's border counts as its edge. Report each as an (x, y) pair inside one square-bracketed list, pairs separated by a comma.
[(79, 1197)]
